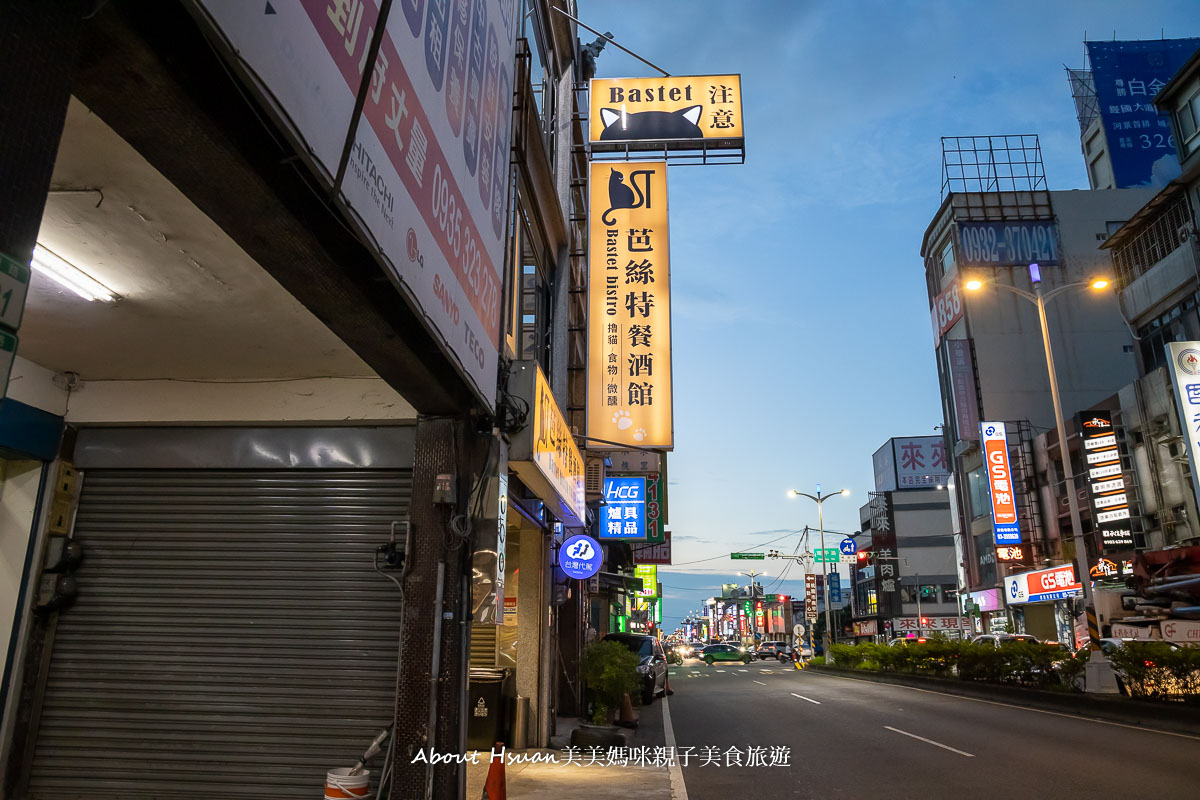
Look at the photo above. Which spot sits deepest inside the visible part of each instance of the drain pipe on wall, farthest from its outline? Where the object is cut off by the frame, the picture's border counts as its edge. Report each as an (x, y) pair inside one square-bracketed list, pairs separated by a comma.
[(434, 667), (464, 627)]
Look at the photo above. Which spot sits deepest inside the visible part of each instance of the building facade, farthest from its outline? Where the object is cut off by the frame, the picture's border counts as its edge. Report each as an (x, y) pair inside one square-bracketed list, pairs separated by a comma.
[(287, 436)]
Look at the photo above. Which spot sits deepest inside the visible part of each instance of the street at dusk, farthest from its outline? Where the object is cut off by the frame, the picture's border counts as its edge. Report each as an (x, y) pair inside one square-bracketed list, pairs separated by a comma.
[(596, 400)]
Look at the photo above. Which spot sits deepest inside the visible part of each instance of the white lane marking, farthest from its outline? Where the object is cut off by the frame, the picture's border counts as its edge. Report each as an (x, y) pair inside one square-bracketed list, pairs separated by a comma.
[(732, 674), (1024, 708), (931, 741), (720, 670), (743, 670), (809, 699), (678, 787), (760, 683)]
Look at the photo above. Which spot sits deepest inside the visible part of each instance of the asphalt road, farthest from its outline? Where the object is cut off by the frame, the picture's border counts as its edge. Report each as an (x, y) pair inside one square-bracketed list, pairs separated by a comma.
[(859, 739)]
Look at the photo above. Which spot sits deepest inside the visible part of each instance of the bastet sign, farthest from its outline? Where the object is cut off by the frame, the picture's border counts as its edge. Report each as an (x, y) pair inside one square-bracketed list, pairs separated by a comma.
[(687, 111), (629, 307)]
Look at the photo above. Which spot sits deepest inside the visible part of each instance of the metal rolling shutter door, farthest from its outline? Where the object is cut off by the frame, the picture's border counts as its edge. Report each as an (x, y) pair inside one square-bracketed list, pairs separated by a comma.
[(230, 638)]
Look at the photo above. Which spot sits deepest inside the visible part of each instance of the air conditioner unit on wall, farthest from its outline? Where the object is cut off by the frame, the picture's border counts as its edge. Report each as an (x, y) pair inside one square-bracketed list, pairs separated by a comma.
[(593, 478), (1185, 231)]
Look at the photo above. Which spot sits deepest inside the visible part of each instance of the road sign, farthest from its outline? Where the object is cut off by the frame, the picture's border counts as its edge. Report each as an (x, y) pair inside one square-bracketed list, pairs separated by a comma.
[(14, 283), (849, 559), (748, 556), (829, 555), (848, 546), (797, 630)]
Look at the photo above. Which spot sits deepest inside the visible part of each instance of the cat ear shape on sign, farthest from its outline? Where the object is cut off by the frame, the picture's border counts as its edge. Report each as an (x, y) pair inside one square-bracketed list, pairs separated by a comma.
[(691, 114), (608, 116)]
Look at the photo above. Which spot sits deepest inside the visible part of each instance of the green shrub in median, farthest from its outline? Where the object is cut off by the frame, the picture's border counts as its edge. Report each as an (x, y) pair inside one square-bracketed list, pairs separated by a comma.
[(1024, 663)]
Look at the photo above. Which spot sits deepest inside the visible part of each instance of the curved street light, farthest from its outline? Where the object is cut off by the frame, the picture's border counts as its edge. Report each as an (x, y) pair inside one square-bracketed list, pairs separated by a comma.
[(1097, 678), (820, 499)]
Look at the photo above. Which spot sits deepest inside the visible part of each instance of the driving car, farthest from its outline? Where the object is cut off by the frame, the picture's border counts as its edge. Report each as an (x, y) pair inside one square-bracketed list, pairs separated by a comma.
[(902, 640), (652, 666), (767, 650), (997, 639), (724, 652)]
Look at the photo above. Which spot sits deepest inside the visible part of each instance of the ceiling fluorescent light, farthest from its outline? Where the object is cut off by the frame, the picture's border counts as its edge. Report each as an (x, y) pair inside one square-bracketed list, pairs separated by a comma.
[(70, 276)]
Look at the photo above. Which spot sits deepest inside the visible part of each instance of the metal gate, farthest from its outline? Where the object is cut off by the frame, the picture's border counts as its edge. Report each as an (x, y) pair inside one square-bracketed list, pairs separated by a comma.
[(230, 638)]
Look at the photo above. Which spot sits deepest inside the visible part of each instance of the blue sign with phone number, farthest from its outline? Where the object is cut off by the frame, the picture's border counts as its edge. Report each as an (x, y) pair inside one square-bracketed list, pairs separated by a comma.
[(1008, 244), (1127, 76)]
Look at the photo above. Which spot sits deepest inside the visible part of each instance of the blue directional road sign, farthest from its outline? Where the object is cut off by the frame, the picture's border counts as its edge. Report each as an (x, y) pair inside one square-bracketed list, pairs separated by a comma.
[(848, 546), (580, 557), (835, 588)]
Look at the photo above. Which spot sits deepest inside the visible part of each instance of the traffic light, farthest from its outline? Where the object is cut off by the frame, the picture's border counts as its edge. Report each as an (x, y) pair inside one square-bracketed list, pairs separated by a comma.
[(924, 622), (863, 557)]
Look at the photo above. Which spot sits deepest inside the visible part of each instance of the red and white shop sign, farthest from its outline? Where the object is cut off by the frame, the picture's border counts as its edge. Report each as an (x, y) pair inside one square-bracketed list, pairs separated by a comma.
[(946, 310), (1054, 583)]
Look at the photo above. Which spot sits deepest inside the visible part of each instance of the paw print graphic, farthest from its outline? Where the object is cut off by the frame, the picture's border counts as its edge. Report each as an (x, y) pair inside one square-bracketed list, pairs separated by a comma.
[(639, 434), (622, 420)]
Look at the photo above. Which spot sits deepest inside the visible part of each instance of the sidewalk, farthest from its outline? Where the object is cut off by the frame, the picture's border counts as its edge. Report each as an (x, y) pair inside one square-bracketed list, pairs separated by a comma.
[(560, 781)]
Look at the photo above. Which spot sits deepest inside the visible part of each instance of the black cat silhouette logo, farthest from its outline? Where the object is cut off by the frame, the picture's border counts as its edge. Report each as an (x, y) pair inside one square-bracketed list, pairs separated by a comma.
[(632, 196), (621, 125)]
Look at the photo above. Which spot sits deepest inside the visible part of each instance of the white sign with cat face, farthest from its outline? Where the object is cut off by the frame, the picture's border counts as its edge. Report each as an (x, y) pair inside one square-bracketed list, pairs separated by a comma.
[(704, 109)]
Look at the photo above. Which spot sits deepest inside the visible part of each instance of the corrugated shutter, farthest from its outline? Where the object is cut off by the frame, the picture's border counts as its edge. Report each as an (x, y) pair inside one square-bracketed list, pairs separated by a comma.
[(231, 638)]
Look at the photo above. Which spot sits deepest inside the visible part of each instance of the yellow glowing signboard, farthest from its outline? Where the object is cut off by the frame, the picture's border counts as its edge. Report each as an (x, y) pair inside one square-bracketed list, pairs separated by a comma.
[(629, 307), (705, 109), (554, 450)]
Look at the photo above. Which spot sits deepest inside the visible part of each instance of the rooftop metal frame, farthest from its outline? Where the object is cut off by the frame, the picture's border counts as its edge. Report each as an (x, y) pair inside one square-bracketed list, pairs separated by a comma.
[(992, 163)]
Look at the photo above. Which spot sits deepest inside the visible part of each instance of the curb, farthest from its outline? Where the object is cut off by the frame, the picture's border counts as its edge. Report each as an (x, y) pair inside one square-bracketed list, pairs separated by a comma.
[(1174, 716)]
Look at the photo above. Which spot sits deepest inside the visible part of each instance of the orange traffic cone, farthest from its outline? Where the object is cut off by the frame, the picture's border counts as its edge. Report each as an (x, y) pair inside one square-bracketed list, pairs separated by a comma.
[(667, 686), (494, 786), (627, 718)]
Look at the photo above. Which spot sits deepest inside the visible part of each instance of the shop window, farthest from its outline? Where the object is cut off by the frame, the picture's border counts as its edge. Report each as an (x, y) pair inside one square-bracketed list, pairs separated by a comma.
[(949, 592), (533, 291), (947, 259), (977, 490), (1180, 323), (1188, 120), (908, 594)]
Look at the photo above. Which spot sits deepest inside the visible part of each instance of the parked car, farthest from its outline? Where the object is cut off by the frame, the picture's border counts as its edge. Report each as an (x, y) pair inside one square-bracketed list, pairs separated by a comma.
[(767, 650), (724, 652), (1108, 645), (652, 668), (902, 640), (997, 639)]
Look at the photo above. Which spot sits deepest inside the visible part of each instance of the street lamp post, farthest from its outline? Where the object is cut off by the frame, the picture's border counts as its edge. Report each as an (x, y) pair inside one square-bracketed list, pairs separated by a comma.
[(820, 499), (752, 622), (1099, 676)]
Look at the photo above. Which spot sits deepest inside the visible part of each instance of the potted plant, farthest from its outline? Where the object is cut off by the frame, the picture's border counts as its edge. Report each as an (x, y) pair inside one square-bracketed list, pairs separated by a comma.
[(610, 671)]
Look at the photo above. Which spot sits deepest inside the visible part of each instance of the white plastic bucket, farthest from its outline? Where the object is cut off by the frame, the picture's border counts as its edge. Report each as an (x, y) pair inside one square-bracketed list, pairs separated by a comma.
[(340, 784)]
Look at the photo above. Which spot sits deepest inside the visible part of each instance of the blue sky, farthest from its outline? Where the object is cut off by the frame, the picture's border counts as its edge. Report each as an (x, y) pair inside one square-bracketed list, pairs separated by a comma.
[(800, 322)]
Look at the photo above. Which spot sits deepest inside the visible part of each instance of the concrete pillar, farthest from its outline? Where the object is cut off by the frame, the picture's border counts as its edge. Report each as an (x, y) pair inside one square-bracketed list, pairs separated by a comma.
[(39, 45), (443, 447), (531, 616)]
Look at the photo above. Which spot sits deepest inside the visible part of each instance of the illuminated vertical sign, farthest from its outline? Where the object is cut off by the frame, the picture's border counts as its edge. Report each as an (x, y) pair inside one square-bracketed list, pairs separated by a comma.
[(999, 475), (629, 307), (648, 574), (623, 515), (1107, 497), (1184, 361)]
